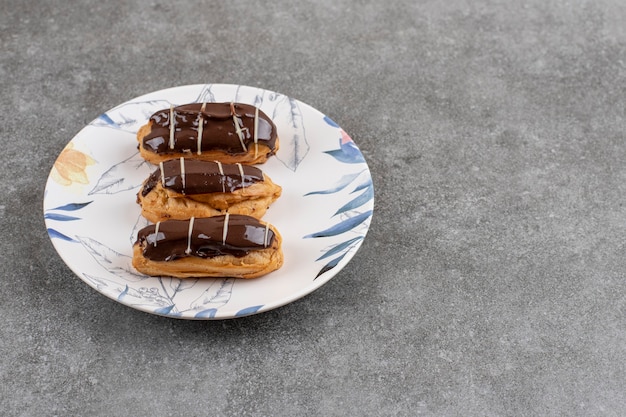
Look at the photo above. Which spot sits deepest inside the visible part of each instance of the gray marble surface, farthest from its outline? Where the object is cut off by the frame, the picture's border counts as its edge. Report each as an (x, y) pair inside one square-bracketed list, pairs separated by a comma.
[(491, 283)]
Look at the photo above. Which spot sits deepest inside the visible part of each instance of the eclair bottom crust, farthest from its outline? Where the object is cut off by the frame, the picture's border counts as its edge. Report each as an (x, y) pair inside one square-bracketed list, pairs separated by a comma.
[(253, 265)]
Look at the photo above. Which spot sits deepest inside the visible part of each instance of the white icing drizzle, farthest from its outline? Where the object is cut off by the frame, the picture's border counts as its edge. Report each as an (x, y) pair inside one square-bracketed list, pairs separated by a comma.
[(225, 232), (182, 172), (221, 171), (267, 228), (243, 178), (237, 127), (189, 234), (200, 128), (172, 126), (156, 233), (162, 174), (256, 129)]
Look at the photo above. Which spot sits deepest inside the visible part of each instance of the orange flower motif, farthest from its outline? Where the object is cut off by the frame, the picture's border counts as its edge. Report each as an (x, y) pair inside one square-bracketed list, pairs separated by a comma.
[(70, 167)]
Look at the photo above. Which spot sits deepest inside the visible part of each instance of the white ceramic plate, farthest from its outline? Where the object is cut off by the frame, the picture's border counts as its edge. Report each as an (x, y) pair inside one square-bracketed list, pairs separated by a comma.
[(323, 214)]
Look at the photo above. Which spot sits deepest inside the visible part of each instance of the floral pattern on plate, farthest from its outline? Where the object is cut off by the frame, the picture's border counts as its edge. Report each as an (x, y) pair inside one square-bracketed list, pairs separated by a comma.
[(324, 213)]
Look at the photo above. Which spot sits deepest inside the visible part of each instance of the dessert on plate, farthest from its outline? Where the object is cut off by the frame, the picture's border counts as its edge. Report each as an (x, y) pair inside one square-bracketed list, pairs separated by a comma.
[(184, 188), (219, 246), (227, 132)]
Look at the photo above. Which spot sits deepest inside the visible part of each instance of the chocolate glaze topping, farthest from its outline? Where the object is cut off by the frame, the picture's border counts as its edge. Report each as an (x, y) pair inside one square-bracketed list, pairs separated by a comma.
[(189, 176), (206, 238), (229, 127)]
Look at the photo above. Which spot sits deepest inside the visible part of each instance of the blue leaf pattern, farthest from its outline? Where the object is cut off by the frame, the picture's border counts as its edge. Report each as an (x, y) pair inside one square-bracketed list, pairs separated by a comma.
[(363, 198), (59, 217), (343, 182), (343, 226), (49, 215), (347, 153), (330, 122), (58, 235), (106, 120), (123, 293), (206, 314), (247, 311), (164, 310), (341, 246), (72, 206), (330, 265), (366, 184)]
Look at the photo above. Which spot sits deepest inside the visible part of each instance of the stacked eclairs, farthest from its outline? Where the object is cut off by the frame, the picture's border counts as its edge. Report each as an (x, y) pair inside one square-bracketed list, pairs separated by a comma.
[(205, 197)]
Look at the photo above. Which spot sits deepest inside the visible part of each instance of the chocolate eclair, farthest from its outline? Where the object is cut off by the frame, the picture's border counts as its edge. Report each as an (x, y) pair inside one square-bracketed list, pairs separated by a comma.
[(227, 132), (184, 188), (220, 246)]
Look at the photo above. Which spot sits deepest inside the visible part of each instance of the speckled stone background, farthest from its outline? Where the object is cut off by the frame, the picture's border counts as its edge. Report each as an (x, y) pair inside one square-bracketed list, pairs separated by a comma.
[(491, 283)]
